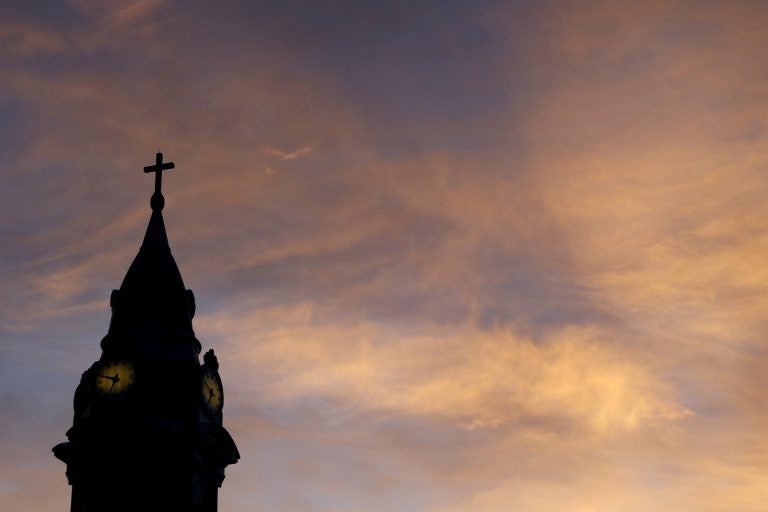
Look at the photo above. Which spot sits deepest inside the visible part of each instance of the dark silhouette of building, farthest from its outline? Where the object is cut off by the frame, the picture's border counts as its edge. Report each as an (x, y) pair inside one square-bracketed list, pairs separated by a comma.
[(147, 432)]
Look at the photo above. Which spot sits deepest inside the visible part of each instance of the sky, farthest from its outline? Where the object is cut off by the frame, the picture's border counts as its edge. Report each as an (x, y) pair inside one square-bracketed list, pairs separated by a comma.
[(453, 256)]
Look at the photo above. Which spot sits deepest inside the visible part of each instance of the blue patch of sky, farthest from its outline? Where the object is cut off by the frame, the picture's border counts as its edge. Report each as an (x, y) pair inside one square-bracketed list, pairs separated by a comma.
[(431, 66), (48, 12)]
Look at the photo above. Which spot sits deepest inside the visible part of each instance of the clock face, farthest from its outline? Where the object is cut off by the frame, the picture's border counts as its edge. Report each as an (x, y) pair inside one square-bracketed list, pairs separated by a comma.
[(213, 395), (113, 378)]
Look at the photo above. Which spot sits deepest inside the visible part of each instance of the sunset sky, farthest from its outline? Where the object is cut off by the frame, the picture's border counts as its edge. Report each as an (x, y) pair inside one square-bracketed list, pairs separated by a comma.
[(453, 256)]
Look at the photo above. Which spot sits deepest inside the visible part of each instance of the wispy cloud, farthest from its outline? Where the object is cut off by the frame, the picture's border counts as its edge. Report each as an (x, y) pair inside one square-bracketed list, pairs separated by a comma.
[(571, 380), (288, 155), (511, 267)]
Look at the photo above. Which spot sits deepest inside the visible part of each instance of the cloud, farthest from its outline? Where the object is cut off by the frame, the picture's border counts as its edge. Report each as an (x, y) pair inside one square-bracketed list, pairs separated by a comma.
[(118, 11), (517, 262), (25, 40), (572, 382), (288, 155)]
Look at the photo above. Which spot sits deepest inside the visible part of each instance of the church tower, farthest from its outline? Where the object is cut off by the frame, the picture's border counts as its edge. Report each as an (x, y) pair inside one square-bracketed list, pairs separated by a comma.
[(148, 432)]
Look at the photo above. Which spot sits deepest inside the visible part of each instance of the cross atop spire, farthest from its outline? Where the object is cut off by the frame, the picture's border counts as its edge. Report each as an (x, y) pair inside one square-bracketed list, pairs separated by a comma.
[(157, 201)]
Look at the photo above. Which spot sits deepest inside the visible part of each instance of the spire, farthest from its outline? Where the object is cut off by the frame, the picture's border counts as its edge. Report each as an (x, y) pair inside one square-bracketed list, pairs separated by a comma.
[(153, 292), (155, 235)]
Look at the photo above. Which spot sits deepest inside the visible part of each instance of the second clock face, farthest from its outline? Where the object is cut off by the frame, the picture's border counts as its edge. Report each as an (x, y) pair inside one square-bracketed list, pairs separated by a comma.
[(213, 395), (114, 378)]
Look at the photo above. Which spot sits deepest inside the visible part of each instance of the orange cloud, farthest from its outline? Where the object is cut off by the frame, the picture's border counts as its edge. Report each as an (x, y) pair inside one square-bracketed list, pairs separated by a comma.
[(543, 291)]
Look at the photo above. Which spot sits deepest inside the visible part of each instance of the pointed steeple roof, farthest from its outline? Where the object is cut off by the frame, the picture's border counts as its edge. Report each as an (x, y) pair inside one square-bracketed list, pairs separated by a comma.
[(154, 270), (155, 235), (153, 291)]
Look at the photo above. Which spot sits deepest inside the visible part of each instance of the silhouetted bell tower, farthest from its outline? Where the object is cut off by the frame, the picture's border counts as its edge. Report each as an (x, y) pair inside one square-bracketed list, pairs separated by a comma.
[(148, 433)]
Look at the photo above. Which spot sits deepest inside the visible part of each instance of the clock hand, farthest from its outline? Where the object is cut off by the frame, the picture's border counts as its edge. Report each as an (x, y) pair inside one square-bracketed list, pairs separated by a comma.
[(114, 380)]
